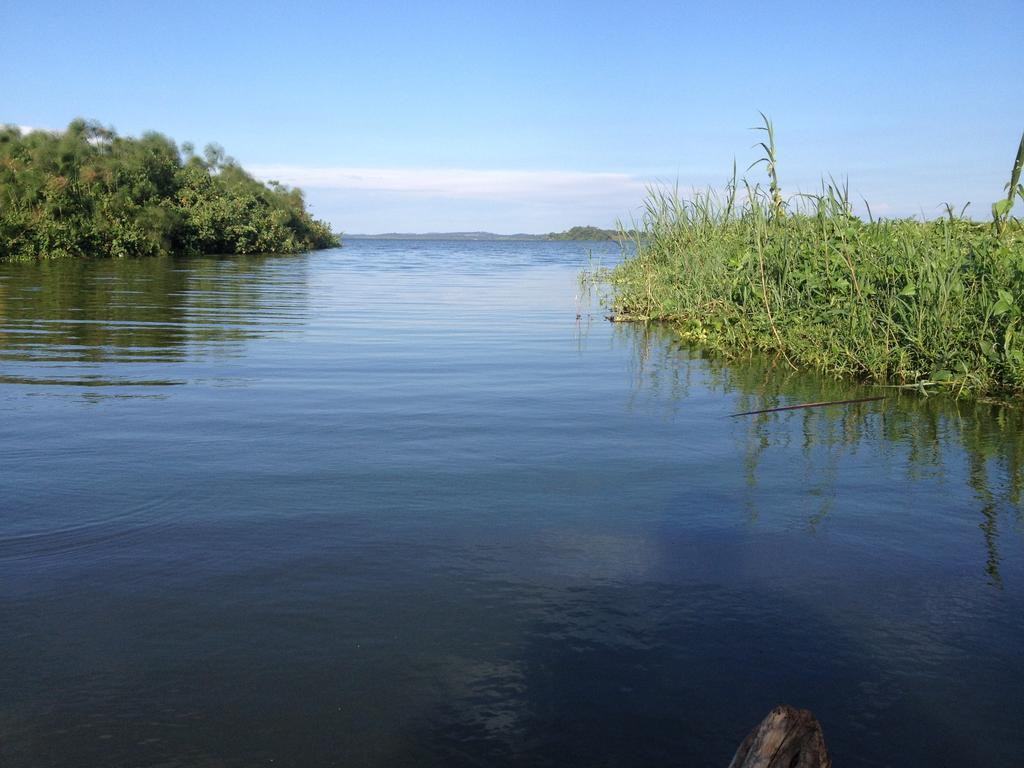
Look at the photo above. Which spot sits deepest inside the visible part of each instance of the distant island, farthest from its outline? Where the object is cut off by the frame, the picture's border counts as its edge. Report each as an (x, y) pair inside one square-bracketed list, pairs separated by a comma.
[(586, 233), (87, 192), (575, 233)]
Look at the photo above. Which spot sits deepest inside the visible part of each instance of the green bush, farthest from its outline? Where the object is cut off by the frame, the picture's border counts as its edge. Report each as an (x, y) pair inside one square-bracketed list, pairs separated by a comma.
[(88, 192)]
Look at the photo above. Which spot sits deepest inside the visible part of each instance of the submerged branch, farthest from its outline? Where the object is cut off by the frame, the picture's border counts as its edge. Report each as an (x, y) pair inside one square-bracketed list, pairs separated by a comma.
[(809, 405)]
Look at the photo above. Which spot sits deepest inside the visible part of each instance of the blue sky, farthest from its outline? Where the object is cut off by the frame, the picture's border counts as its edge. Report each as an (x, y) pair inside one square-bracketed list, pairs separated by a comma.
[(537, 116)]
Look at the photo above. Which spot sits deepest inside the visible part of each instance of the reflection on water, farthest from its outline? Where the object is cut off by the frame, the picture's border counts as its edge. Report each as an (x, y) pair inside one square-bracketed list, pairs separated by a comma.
[(412, 504), (927, 437), (125, 323)]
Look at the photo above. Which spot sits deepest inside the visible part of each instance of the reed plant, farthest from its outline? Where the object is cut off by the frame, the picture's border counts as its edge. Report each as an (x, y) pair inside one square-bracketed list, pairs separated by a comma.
[(903, 302)]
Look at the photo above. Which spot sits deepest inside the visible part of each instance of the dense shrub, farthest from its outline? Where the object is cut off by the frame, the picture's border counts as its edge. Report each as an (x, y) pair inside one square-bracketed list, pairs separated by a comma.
[(88, 192)]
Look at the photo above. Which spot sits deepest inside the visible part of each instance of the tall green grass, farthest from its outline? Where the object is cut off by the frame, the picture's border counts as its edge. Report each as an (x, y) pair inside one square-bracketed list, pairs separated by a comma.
[(893, 301)]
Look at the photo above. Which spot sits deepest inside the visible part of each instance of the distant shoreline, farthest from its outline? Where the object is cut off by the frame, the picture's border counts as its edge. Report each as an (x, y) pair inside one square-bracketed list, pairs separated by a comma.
[(443, 236), (585, 234)]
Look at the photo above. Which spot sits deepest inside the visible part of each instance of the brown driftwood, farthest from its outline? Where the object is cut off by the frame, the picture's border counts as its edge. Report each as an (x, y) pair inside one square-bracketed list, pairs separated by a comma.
[(787, 738)]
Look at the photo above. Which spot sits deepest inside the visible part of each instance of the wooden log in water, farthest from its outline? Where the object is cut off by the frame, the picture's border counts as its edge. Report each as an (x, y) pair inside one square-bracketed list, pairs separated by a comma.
[(786, 738)]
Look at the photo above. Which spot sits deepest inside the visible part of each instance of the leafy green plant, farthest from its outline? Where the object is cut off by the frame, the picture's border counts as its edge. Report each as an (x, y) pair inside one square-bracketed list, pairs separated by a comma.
[(1001, 208)]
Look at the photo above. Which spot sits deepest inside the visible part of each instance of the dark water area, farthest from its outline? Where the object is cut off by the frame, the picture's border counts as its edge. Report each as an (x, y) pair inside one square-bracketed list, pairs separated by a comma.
[(395, 505)]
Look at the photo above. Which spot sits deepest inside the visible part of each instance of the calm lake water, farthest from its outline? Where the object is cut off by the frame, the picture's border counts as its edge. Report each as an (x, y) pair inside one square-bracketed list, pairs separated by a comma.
[(394, 505)]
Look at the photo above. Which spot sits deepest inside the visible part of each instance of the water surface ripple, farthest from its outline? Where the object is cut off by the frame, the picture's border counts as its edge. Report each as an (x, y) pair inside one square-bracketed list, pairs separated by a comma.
[(396, 504)]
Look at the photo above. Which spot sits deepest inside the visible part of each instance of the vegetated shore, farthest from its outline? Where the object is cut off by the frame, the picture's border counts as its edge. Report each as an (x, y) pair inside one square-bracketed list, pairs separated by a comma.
[(926, 304), (87, 192)]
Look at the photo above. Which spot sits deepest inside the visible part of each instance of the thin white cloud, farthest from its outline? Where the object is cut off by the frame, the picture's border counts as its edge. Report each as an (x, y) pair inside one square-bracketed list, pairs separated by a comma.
[(462, 183)]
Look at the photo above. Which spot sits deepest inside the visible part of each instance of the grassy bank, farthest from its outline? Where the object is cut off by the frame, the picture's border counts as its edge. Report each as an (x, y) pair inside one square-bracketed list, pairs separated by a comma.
[(87, 192), (936, 304)]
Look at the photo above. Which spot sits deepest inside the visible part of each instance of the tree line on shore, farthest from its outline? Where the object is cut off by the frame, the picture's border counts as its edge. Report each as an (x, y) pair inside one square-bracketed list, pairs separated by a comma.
[(88, 192)]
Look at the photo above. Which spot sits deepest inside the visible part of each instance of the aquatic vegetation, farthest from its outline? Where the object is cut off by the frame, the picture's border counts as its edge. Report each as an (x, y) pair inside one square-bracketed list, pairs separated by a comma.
[(977, 443), (88, 192), (904, 302)]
